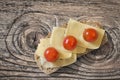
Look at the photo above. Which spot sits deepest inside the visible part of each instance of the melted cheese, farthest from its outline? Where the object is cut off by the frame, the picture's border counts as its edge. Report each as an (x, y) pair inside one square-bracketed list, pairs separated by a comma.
[(92, 45), (63, 60), (45, 43), (59, 62), (57, 38), (76, 29), (79, 50)]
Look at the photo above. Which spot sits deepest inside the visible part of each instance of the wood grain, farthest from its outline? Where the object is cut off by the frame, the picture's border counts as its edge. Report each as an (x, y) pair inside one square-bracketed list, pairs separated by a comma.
[(24, 22)]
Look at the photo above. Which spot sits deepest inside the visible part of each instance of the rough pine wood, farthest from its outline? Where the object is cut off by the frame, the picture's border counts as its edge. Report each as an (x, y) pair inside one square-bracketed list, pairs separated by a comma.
[(24, 22)]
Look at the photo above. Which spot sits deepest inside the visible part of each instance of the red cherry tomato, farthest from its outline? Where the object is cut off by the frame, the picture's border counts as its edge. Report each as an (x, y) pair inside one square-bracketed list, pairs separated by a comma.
[(69, 42), (90, 35), (51, 54)]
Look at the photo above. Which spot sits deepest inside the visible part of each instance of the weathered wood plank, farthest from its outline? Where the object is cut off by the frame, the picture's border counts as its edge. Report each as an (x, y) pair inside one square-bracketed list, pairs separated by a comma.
[(24, 22)]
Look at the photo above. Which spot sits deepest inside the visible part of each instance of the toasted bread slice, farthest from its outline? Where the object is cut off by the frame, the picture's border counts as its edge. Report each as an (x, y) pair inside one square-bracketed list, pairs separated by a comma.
[(51, 70)]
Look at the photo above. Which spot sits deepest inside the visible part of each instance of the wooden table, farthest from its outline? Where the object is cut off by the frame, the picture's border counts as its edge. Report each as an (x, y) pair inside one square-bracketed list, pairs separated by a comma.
[(24, 22)]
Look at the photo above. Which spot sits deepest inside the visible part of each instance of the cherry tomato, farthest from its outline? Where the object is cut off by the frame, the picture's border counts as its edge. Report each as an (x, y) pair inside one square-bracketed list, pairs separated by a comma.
[(90, 35), (69, 42), (51, 54)]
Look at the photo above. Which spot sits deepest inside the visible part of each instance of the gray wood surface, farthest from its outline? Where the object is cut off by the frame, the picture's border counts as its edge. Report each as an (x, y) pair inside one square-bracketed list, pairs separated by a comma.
[(24, 22)]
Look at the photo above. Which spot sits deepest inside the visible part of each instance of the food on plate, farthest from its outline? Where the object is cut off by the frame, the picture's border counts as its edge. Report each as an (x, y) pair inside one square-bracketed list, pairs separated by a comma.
[(69, 42), (65, 44), (78, 30), (51, 54), (90, 35)]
